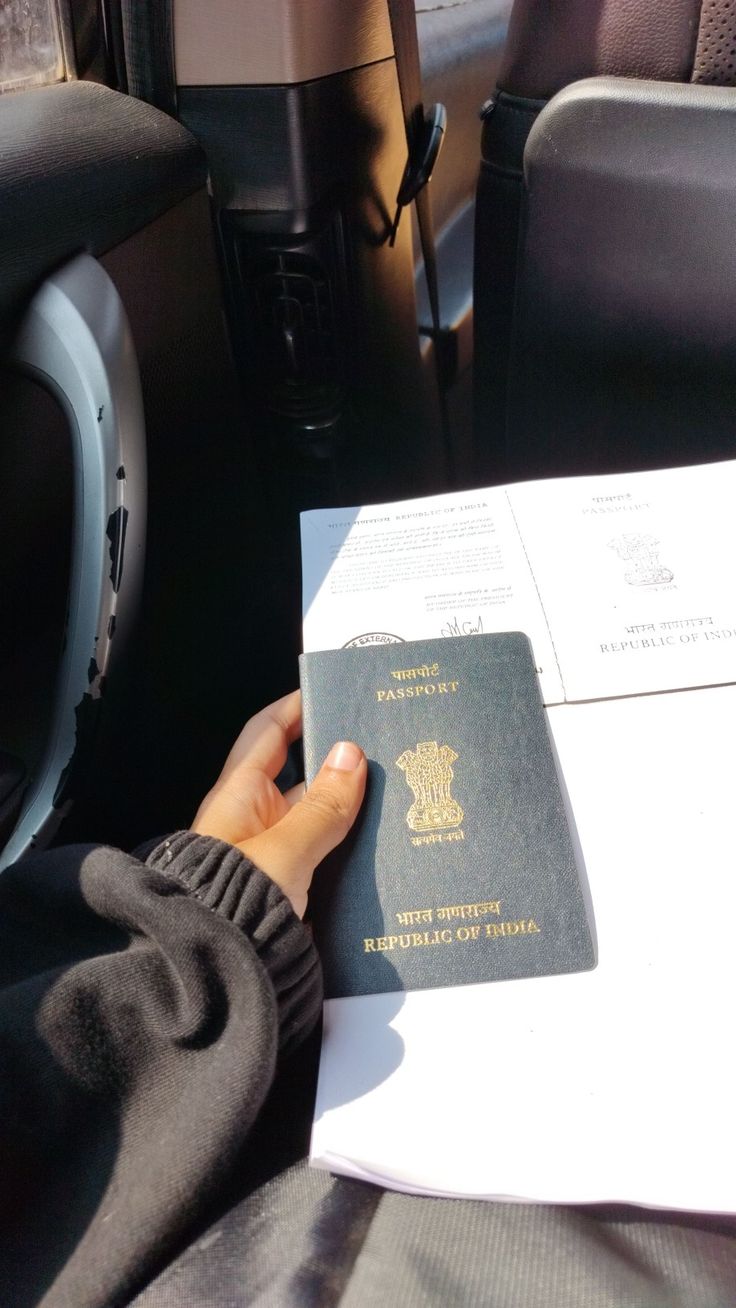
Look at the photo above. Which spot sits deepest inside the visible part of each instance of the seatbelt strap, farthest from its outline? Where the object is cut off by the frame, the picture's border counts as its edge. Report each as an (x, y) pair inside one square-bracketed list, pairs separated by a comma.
[(424, 135)]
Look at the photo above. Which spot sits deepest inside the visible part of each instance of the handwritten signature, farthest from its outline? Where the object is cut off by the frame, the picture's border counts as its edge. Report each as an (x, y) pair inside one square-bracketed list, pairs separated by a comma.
[(470, 627)]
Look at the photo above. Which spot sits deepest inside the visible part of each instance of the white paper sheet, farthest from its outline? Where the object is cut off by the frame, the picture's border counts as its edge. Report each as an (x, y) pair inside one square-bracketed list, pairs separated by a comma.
[(445, 565), (623, 584), (636, 576), (611, 1085), (614, 1085)]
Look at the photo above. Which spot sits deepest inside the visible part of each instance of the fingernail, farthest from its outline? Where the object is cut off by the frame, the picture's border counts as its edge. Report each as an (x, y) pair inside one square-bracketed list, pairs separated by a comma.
[(345, 756)]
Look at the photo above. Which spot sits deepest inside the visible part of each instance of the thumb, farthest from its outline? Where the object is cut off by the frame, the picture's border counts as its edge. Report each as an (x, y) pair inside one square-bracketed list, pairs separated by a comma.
[(290, 850)]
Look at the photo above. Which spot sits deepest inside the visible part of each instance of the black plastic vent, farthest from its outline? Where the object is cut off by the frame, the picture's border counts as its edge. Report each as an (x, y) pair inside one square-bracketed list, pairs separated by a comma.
[(297, 338)]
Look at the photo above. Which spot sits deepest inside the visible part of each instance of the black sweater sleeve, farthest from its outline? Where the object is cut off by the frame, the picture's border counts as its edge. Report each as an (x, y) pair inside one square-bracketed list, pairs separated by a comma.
[(142, 1009)]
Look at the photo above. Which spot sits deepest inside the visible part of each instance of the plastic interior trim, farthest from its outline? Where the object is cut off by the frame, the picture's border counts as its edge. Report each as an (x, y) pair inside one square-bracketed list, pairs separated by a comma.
[(75, 340)]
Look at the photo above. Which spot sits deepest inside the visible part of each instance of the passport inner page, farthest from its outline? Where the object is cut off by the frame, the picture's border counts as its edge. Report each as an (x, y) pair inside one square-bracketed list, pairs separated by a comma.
[(444, 565), (461, 866), (623, 583), (636, 577)]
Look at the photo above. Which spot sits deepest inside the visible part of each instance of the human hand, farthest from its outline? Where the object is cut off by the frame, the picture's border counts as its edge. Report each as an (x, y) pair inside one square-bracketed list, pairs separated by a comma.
[(285, 835)]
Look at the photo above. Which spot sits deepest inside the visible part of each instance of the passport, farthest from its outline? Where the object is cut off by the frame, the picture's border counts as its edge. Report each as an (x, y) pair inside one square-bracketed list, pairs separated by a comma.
[(461, 866)]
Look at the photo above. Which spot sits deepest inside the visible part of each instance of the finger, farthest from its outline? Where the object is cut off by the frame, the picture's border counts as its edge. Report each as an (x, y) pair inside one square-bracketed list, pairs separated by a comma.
[(265, 738), (289, 851), (296, 793)]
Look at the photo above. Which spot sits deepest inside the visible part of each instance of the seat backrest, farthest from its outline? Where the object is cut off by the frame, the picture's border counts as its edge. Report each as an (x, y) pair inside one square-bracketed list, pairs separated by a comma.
[(623, 352), (549, 47)]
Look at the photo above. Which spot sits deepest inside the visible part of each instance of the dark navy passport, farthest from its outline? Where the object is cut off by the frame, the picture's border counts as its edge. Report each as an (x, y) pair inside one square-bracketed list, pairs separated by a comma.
[(460, 867)]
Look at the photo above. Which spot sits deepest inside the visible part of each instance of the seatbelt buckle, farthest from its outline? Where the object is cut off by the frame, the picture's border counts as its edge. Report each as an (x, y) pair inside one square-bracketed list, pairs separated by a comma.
[(421, 161)]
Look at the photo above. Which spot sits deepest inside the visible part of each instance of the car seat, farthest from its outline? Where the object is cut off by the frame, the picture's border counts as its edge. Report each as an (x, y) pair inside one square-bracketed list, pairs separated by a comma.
[(605, 283)]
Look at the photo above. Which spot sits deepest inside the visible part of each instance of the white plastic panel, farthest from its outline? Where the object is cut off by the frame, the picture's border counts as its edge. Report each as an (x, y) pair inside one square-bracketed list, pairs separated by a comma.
[(75, 341)]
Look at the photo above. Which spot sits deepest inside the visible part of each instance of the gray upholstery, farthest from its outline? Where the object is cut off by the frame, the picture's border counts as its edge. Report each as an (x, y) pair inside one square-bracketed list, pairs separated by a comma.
[(82, 167), (624, 351), (310, 1240), (549, 47)]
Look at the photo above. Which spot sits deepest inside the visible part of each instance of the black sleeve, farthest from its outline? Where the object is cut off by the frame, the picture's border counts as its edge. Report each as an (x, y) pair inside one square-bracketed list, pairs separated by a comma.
[(142, 1010)]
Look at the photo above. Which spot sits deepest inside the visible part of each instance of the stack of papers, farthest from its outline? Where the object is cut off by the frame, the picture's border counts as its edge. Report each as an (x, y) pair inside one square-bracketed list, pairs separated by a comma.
[(610, 1085)]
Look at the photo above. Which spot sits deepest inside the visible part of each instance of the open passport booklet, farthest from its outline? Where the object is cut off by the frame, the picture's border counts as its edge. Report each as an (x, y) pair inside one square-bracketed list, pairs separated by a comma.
[(554, 1084)]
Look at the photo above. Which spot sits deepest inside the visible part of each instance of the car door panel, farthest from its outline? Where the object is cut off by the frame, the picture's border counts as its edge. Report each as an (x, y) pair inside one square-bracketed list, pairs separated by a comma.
[(111, 176), (75, 340)]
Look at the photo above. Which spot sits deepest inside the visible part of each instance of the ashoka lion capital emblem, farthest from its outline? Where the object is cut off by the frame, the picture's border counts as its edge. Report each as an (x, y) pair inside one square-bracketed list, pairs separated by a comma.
[(641, 552), (428, 771)]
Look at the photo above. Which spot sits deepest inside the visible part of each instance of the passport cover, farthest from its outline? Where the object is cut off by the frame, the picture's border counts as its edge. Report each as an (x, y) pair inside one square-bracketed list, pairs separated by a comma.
[(460, 867)]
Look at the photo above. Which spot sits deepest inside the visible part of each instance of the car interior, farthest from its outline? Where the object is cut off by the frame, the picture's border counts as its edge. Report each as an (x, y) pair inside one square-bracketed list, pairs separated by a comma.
[(215, 313), (228, 175), (231, 178)]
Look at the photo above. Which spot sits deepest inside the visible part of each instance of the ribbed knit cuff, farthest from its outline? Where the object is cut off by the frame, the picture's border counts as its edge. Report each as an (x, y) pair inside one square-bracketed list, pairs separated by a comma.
[(226, 882)]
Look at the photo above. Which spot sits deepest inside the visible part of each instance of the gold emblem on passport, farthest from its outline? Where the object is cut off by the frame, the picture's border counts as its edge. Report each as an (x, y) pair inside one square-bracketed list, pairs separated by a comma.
[(428, 771)]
